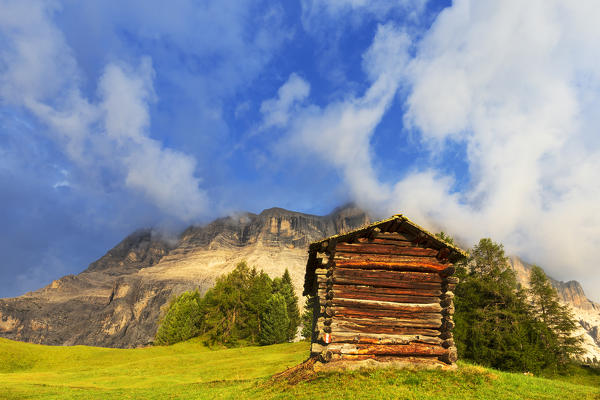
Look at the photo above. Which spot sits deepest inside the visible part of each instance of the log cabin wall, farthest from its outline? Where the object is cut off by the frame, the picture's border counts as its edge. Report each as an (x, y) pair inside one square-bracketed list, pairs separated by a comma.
[(383, 293)]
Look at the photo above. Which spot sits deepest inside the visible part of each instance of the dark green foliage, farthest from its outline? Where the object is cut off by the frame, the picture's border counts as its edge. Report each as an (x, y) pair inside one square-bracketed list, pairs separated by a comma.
[(291, 302), (307, 317), (496, 323), (275, 322), (494, 326), (234, 310), (556, 319), (182, 320)]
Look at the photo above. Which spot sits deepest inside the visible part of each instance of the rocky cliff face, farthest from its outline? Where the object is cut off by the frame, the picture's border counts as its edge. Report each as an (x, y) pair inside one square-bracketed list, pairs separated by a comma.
[(117, 300), (584, 310)]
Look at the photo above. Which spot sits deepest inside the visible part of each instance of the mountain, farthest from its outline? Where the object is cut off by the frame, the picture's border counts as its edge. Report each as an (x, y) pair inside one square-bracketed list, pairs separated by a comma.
[(117, 300), (585, 311)]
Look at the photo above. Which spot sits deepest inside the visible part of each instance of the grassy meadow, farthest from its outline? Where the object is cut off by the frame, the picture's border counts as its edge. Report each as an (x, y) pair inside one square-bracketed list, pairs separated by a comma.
[(191, 370)]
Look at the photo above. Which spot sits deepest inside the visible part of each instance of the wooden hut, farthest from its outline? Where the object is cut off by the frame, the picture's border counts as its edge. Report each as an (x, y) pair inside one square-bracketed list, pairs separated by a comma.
[(382, 295)]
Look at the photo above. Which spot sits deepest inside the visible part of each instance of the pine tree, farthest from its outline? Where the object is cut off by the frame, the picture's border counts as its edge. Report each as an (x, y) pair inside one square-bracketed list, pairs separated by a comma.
[(558, 335), (307, 317), (274, 321), (291, 302)]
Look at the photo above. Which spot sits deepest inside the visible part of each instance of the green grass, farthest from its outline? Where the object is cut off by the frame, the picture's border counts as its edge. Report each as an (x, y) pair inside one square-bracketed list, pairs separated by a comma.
[(190, 370)]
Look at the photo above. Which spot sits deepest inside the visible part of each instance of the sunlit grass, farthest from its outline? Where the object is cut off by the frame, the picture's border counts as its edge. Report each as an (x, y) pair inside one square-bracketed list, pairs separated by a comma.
[(190, 370)]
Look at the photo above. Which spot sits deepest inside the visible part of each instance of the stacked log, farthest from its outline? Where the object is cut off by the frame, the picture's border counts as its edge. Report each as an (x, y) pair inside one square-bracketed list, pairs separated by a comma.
[(384, 296)]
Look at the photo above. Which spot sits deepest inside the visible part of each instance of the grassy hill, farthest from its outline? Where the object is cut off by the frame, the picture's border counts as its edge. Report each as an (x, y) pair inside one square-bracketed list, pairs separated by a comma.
[(190, 370)]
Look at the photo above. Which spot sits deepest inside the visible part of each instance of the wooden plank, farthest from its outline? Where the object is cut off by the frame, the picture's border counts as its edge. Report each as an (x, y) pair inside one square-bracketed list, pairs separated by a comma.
[(397, 264), (374, 248), (396, 298), (387, 283), (353, 328), (378, 313), (382, 305), (391, 242), (358, 290), (410, 276), (396, 236), (369, 338), (411, 349), (434, 322)]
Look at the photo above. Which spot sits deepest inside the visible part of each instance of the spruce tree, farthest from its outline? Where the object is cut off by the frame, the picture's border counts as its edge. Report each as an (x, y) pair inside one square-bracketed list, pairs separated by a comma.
[(274, 321), (291, 302), (559, 326), (307, 317)]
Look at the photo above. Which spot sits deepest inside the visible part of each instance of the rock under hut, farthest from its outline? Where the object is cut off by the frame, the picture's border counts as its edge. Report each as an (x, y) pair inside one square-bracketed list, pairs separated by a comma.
[(383, 295)]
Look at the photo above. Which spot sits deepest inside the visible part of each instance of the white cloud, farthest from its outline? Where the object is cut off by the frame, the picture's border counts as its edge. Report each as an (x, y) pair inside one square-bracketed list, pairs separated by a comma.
[(517, 83), (339, 133), (40, 73), (276, 112)]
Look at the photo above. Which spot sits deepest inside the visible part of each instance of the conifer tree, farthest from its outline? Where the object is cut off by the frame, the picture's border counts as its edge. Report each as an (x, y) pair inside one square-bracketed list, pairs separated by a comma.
[(291, 302), (559, 336), (182, 320), (274, 321), (307, 317)]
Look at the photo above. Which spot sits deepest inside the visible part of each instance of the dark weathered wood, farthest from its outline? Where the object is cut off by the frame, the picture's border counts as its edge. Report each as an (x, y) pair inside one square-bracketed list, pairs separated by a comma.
[(433, 322), (383, 305), (382, 293), (385, 241), (361, 261), (349, 327), (450, 356), (385, 283), (393, 298), (448, 310), (367, 338), (452, 280), (396, 236), (357, 312), (411, 349), (372, 276), (373, 248)]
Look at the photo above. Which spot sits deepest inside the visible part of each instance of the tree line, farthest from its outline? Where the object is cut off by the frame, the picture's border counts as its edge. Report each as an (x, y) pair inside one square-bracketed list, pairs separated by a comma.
[(244, 307)]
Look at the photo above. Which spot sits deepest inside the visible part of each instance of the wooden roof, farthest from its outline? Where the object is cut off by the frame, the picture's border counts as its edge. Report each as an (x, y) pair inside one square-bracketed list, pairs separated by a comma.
[(397, 223)]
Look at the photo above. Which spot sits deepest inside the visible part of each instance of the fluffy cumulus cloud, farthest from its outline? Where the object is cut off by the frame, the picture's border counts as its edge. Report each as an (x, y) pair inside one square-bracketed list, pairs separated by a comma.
[(517, 85), (340, 131), (107, 134), (277, 111)]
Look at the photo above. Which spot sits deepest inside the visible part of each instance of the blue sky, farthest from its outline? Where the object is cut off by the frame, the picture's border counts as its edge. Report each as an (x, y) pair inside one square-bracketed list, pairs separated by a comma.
[(474, 117)]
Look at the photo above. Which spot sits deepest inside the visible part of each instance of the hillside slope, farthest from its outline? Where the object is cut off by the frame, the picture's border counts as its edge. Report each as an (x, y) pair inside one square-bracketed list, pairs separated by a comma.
[(191, 371)]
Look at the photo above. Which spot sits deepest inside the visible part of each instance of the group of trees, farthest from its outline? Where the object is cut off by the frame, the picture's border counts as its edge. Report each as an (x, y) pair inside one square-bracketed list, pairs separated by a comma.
[(503, 325), (244, 306)]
